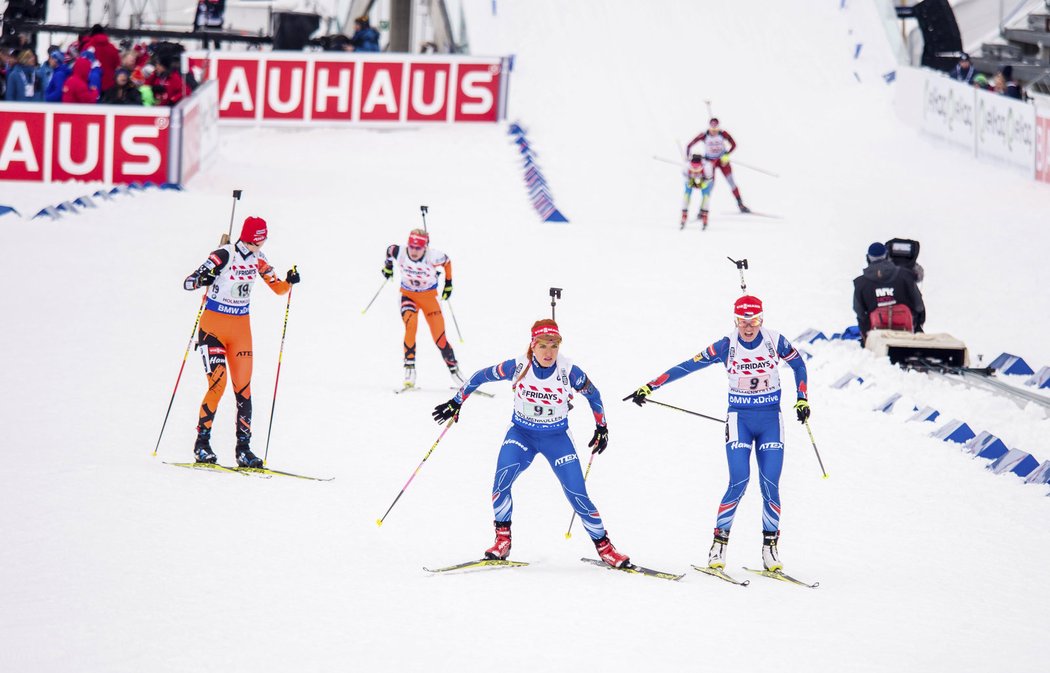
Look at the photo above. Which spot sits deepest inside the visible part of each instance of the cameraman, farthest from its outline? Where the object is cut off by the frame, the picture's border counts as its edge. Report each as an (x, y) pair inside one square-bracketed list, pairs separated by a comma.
[(886, 296)]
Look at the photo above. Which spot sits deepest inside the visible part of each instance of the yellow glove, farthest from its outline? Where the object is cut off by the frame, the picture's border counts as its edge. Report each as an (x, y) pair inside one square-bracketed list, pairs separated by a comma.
[(638, 396), (802, 410), (724, 159)]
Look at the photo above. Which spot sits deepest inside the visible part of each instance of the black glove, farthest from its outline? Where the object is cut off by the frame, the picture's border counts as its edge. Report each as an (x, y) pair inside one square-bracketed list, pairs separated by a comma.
[(388, 271), (197, 279), (802, 410), (447, 292), (293, 276), (638, 396), (447, 410), (600, 439)]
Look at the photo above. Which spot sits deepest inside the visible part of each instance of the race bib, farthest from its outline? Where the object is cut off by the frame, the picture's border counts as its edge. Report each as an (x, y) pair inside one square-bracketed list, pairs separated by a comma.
[(753, 383)]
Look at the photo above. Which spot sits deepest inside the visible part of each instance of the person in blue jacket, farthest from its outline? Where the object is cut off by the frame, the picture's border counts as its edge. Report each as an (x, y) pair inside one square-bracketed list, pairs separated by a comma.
[(24, 83), (543, 383), (750, 355), (365, 37), (61, 70)]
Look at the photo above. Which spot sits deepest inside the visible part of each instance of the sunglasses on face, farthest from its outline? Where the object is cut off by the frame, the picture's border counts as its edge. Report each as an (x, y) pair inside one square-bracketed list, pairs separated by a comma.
[(749, 322)]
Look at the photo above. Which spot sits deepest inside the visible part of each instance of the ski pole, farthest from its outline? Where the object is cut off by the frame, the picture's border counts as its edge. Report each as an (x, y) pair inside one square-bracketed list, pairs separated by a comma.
[(668, 161), (236, 198), (568, 533), (814, 443), (555, 296), (694, 413), (185, 355), (379, 522), (280, 356), (454, 322), (756, 169), (423, 211), (376, 296)]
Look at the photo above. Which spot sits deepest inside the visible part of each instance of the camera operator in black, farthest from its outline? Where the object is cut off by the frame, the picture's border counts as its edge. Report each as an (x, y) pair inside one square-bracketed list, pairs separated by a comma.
[(882, 284)]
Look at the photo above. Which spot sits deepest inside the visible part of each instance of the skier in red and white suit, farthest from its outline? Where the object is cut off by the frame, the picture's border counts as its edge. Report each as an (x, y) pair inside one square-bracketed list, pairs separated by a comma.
[(718, 145)]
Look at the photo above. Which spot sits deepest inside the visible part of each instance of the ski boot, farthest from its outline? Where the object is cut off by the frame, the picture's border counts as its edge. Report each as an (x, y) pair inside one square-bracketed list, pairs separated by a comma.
[(716, 558), (245, 457), (457, 378), (703, 219), (685, 218), (202, 452), (410, 376), (770, 557), (607, 552), (501, 549), (742, 207)]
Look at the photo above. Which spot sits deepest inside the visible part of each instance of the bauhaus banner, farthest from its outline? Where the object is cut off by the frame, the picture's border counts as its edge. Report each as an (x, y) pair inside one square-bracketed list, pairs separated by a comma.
[(326, 88)]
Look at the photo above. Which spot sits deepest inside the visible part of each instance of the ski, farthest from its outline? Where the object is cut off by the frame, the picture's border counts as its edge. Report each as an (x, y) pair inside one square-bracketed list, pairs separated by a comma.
[(480, 563), (267, 472), (406, 389), (779, 575), (759, 214), (213, 467), (635, 570), (721, 574), (756, 213)]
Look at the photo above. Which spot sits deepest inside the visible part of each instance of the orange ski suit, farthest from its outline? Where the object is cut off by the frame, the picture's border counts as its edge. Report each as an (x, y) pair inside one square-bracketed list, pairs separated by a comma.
[(427, 301), (225, 342)]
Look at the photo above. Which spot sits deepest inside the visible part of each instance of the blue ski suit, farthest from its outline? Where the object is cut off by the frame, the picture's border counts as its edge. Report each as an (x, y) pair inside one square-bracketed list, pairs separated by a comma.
[(753, 419), (525, 439)]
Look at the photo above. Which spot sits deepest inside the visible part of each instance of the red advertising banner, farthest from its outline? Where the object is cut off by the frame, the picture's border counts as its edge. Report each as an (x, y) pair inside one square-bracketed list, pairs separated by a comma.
[(52, 143), (1042, 145), (302, 88)]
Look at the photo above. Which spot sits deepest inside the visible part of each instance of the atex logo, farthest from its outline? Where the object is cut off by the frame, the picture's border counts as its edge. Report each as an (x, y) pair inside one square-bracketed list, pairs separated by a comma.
[(565, 460)]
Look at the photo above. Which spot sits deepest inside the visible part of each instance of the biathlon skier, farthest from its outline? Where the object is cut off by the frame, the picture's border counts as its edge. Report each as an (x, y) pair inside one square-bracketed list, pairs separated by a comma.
[(225, 334), (750, 355), (543, 381), (718, 145), (419, 263), (696, 178)]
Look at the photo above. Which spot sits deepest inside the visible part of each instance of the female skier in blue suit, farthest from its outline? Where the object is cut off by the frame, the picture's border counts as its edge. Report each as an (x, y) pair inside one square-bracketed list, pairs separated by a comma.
[(544, 382)]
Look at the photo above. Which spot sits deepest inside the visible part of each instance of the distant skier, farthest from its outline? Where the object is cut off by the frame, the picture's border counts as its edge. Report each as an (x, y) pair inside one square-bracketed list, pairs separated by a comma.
[(696, 178), (716, 153), (225, 336), (543, 381), (750, 355), (419, 264)]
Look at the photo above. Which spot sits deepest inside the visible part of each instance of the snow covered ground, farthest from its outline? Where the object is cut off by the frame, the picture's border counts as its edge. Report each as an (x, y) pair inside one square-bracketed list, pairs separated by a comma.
[(113, 561)]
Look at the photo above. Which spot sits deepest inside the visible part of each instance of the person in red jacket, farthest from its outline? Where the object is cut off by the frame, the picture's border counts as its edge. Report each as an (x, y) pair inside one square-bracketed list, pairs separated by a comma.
[(108, 55), (168, 87), (76, 89)]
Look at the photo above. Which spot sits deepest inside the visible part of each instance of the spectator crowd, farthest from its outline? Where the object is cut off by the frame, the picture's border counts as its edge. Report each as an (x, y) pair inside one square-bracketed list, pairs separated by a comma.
[(93, 70), (1002, 82)]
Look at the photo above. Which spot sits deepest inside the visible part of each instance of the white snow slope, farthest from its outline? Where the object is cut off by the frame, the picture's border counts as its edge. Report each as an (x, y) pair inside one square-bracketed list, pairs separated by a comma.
[(113, 561)]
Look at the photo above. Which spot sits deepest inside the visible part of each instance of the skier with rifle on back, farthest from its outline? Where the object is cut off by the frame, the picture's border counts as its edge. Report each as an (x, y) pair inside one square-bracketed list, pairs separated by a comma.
[(225, 334), (750, 354)]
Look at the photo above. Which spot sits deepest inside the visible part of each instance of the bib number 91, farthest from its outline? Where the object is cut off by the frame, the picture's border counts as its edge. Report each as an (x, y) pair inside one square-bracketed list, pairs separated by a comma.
[(753, 383)]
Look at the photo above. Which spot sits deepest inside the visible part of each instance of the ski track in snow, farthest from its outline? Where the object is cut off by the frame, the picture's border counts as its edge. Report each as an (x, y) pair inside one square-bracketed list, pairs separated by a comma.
[(114, 562)]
